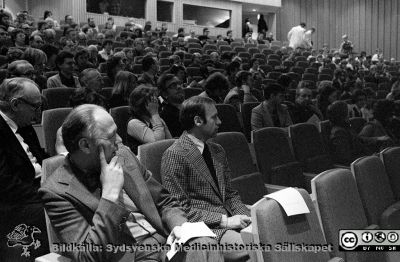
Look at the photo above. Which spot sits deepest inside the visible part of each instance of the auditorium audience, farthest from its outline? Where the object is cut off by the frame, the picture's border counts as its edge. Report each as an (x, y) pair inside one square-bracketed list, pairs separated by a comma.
[(271, 112), (125, 83), (303, 109), (344, 144), (216, 86), (65, 64), (327, 94), (146, 125), (241, 93), (127, 205), (196, 172), (171, 91), (123, 57), (20, 164)]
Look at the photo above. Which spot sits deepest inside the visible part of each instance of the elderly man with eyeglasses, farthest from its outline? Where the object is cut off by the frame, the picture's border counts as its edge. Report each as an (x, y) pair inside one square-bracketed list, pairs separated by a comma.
[(21, 156)]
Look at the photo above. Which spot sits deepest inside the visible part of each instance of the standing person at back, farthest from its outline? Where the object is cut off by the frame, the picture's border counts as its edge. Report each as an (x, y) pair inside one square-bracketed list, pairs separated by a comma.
[(296, 36)]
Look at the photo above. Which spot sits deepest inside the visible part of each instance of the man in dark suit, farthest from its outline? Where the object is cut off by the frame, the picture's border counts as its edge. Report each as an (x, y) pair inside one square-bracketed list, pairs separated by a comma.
[(103, 196), (197, 173), (20, 168)]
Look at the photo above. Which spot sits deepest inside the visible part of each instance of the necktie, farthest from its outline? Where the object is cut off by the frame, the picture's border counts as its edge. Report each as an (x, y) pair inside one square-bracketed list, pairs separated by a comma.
[(209, 162)]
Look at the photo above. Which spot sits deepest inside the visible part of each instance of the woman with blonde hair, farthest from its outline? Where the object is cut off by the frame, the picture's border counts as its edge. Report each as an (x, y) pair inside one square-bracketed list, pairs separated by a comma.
[(125, 82)]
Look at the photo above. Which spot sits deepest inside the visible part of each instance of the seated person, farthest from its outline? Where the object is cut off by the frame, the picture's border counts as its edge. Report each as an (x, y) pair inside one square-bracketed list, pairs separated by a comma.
[(381, 126), (216, 86), (21, 158), (359, 100), (344, 144), (241, 93), (65, 64), (271, 112), (125, 83), (102, 195), (303, 108), (327, 94), (146, 125), (196, 172), (172, 93)]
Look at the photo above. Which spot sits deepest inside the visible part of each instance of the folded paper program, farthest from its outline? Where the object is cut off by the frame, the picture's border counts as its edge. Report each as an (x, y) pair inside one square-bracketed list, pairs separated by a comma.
[(291, 201)]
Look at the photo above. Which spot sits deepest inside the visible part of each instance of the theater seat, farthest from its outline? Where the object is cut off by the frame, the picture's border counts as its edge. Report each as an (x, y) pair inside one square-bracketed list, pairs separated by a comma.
[(51, 121), (229, 118), (376, 194), (250, 187), (391, 159), (150, 156), (309, 148), (58, 97), (339, 206), (275, 159), (237, 152), (274, 227), (121, 116)]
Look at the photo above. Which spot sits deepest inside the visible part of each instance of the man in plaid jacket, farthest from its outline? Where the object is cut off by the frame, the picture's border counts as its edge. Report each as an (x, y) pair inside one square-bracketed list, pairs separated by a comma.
[(196, 172)]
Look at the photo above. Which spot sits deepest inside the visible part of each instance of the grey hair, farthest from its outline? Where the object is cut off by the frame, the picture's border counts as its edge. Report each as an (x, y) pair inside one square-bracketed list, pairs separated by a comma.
[(11, 88), (79, 122)]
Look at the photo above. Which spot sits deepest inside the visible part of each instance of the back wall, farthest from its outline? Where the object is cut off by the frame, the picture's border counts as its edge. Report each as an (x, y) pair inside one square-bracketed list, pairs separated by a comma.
[(370, 24)]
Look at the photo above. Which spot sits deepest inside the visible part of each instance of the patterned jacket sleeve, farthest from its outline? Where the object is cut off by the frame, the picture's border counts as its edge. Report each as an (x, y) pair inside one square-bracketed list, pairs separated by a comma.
[(174, 179)]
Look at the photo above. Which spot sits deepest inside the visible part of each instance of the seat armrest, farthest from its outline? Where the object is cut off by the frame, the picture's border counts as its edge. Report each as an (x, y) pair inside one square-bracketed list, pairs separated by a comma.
[(52, 257), (273, 188), (341, 166), (336, 259), (372, 227), (390, 218), (248, 239)]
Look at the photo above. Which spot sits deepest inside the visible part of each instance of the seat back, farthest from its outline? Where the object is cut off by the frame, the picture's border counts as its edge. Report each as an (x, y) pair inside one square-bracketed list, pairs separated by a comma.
[(373, 186), (390, 157), (229, 118), (58, 97), (338, 204), (150, 155), (275, 159), (49, 165), (121, 116), (51, 121), (308, 148), (246, 116), (357, 123), (237, 152), (274, 227), (250, 187)]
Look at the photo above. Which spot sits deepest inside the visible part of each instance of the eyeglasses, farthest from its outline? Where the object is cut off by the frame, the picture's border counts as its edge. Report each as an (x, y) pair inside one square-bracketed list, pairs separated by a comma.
[(36, 106)]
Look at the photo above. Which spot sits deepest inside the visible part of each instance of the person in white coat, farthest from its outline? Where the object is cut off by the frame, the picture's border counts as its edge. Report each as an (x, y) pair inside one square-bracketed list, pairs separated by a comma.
[(296, 36)]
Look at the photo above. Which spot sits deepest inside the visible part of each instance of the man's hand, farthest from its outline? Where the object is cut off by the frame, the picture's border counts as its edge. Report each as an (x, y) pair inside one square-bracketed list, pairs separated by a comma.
[(111, 178), (238, 221), (176, 233)]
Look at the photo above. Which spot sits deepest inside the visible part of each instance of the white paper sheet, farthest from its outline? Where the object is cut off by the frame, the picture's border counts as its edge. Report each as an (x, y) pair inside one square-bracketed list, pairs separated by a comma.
[(190, 230), (291, 201)]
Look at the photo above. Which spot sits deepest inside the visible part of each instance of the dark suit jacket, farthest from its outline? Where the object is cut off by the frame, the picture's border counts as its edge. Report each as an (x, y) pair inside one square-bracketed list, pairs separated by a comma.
[(186, 175), (79, 217), (17, 175)]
